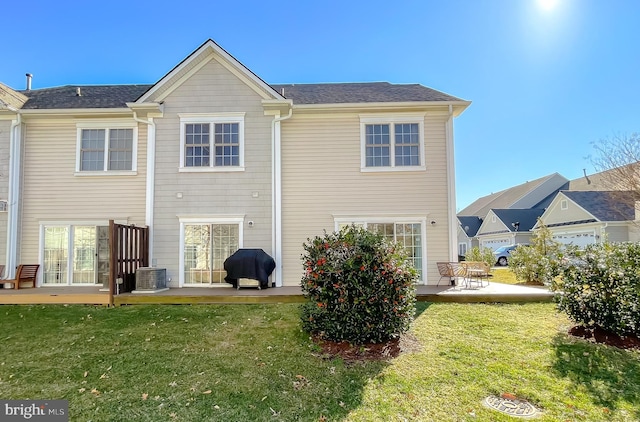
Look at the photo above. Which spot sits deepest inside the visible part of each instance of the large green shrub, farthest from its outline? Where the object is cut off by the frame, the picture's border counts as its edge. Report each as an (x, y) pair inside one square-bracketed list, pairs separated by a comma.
[(539, 262), (600, 287), (485, 255), (360, 287)]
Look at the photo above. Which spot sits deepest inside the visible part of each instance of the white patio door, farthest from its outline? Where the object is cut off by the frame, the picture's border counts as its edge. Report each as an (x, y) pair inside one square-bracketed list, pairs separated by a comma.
[(206, 247), (72, 255)]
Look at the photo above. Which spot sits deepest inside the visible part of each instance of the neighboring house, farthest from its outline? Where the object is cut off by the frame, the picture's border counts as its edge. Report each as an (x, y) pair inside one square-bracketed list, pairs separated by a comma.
[(213, 159), (535, 194), (507, 227), (585, 217), (467, 229)]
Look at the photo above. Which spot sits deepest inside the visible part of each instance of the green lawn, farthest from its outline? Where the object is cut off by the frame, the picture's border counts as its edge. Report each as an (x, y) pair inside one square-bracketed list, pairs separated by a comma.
[(504, 275), (252, 363)]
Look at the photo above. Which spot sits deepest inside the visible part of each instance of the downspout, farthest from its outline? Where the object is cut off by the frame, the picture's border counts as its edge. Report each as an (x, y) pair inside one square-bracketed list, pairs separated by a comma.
[(276, 195), (151, 176), (13, 196), (451, 176)]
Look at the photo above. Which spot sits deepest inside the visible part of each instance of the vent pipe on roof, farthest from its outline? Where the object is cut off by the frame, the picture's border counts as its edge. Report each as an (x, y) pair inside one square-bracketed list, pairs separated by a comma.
[(29, 76), (78, 92), (282, 92)]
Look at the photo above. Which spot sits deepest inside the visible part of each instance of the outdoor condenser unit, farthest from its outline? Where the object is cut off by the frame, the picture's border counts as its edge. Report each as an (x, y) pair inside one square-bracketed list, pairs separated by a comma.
[(151, 278)]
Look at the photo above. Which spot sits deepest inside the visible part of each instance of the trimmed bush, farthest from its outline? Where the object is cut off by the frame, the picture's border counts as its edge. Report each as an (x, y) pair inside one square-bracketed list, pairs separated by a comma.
[(360, 287), (600, 287), (539, 262), (485, 255)]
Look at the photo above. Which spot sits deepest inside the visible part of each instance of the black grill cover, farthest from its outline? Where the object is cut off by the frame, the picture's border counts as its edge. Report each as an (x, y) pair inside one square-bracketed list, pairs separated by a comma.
[(249, 263)]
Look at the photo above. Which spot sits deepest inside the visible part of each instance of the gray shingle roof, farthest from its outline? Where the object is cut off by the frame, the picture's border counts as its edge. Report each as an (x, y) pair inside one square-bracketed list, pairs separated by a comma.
[(506, 198), (526, 217), (606, 205), (472, 222), (115, 96), (92, 96), (360, 92)]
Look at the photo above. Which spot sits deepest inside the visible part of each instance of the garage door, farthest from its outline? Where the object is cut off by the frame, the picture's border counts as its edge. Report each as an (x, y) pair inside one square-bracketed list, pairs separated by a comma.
[(576, 238), (496, 243)]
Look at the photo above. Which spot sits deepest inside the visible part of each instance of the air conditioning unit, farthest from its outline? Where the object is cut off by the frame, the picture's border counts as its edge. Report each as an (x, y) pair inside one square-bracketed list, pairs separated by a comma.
[(150, 279)]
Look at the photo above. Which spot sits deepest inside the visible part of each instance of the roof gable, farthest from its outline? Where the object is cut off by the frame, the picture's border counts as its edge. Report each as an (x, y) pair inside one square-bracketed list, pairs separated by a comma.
[(209, 50), (533, 194)]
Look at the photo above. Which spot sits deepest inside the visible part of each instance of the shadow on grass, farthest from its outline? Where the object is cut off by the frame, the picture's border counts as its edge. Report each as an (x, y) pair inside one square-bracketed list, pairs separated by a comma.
[(609, 375)]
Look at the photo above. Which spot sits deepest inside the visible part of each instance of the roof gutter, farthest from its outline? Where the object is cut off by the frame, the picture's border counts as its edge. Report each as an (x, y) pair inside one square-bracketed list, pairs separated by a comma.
[(150, 177), (451, 191), (276, 194), (13, 197)]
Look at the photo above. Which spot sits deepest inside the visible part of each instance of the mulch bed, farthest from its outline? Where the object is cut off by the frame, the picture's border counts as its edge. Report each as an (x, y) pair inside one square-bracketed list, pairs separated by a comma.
[(406, 343), (598, 335)]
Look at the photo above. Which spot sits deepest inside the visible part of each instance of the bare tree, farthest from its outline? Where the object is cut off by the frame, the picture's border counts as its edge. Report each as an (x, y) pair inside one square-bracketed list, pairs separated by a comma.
[(617, 160)]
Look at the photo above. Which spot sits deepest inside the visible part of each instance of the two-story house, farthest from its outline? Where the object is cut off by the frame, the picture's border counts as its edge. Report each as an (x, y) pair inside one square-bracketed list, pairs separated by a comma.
[(212, 159)]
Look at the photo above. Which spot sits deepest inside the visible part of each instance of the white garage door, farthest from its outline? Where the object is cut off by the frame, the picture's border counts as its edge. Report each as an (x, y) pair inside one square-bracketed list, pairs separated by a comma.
[(576, 238), (495, 243)]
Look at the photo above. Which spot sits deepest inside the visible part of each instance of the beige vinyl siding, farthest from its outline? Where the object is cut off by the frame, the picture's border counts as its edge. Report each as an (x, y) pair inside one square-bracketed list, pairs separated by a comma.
[(489, 226), (213, 89), (617, 233), (5, 139), (572, 213), (51, 191), (321, 179)]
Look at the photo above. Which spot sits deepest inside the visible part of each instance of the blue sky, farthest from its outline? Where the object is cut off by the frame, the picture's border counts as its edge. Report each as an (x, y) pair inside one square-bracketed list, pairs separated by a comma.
[(545, 82)]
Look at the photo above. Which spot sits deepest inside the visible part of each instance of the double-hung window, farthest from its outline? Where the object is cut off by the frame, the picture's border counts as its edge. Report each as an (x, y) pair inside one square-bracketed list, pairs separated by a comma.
[(395, 143), (106, 147), (212, 142)]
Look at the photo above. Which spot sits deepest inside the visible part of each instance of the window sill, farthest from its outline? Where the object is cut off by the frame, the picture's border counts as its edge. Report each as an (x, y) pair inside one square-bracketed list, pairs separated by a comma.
[(210, 169), (105, 173), (392, 169)]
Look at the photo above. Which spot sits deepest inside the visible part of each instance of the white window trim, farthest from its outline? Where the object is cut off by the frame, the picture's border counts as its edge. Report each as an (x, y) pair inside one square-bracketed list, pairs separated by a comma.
[(71, 227), (209, 219), (564, 204), (337, 221), (4, 206), (107, 125), (391, 120), (211, 119)]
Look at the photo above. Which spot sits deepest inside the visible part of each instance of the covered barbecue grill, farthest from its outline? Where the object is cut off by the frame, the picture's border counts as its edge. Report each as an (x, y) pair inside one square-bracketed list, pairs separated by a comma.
[(253, 264)]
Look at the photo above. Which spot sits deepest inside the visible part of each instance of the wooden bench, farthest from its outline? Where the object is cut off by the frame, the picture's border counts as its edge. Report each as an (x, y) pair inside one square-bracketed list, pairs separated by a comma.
[(24, 274)]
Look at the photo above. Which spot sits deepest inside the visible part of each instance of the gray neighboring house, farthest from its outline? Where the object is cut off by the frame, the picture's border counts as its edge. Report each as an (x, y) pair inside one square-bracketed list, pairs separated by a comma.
[(535, 194), (585, 217), (504, 227)]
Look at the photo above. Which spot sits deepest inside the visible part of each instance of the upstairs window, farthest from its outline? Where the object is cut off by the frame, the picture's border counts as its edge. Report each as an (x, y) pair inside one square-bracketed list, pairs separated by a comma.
[(106, 148), (392, 144), (3, 206), (212, 142)]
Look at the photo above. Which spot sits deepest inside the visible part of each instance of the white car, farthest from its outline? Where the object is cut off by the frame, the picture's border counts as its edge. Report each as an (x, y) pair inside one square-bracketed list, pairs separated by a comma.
[(502, 254)]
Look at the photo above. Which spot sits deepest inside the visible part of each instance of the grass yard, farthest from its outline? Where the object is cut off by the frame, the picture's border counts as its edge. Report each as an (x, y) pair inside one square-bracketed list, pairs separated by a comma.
[(504, 275), (252, 363)]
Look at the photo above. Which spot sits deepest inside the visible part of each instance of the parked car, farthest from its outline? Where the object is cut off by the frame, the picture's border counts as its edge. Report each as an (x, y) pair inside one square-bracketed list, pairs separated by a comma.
[(502, 254)]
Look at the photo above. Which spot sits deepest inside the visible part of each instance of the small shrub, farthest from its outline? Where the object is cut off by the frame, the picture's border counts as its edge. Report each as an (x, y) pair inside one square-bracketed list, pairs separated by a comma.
[(539, 262), (485, 255), (360, 287), (600, 287)]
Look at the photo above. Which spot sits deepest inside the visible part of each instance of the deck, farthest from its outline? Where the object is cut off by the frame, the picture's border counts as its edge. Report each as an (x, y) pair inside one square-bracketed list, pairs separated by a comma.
[(91, 295)]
